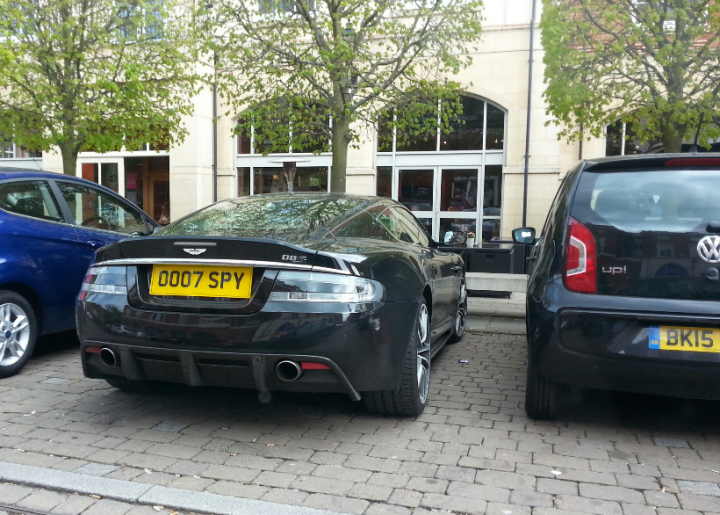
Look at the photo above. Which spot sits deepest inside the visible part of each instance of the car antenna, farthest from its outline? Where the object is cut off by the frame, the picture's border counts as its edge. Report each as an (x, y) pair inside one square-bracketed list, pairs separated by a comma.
[(694, 148)]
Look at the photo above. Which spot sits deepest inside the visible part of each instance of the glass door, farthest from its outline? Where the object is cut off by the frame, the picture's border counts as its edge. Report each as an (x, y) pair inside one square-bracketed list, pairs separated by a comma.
[(458, 201), (416, 190), (109, 172)]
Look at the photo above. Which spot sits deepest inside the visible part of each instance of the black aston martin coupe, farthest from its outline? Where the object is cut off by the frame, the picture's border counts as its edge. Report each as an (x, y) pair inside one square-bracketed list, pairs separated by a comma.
[(306, 292)]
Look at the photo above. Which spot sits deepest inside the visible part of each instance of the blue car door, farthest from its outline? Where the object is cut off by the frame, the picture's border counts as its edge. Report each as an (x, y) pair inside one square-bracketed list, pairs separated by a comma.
[(38, 249), (98, 217)]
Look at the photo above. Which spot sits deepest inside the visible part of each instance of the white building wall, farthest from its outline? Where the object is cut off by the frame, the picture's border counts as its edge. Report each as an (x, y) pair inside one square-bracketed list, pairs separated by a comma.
[(499, 73)]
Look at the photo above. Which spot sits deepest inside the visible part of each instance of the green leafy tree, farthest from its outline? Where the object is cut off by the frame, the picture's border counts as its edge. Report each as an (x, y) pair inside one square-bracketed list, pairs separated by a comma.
[(654, 64), (319, 68), (95, 74)]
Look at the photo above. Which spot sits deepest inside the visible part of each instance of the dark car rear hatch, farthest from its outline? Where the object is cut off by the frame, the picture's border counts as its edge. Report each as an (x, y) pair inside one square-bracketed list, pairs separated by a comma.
[(648, 219), (264, 258)]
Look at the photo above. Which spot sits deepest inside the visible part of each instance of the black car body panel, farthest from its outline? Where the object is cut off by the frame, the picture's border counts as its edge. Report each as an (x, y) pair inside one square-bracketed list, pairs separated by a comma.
[(239, 342), (649, 274)]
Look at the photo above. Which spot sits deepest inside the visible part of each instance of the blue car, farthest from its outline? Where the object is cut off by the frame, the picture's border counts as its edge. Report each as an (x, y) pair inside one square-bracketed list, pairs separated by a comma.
[(50, 227)]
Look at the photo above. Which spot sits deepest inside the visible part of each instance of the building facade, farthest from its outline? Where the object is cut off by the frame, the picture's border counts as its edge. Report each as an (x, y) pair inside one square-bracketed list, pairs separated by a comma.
[(471, 178)]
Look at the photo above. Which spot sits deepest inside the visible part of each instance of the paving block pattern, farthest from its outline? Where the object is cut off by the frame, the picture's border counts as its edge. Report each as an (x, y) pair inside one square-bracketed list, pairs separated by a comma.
[(472, 451)]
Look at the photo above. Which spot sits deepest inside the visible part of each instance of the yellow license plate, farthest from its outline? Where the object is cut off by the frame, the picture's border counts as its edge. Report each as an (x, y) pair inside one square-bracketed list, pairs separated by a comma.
[(201, 281), (688, 339)]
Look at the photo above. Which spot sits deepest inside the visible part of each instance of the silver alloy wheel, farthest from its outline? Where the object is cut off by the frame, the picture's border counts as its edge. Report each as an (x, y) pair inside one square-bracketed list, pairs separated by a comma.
[(14, 333), (423, 354)]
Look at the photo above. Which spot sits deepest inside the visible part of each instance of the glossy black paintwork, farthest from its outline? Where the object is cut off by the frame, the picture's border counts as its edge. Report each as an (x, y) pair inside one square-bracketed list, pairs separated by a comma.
[(366, 342), (600, 340)]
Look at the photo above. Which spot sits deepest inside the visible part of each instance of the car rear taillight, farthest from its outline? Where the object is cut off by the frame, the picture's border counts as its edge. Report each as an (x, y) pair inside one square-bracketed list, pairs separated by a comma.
[(104, 279), (580, 274)]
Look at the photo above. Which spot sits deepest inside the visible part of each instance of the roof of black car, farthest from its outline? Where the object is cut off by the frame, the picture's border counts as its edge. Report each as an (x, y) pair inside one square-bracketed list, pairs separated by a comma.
[(652, 161)]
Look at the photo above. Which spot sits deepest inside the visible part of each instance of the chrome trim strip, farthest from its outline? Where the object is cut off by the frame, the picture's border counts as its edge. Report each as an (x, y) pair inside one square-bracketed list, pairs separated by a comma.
[(216, 262), (330, 270), (195, 243)]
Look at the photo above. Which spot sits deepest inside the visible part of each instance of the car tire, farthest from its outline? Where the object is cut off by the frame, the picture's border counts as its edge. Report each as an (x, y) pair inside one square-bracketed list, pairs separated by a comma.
[(543, 397), (410, 399), (129, 385), (18, 332), (460, 316)]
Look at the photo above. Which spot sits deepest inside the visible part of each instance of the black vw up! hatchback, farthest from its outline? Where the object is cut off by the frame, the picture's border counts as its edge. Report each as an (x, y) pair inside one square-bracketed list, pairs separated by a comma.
[(625, 292)]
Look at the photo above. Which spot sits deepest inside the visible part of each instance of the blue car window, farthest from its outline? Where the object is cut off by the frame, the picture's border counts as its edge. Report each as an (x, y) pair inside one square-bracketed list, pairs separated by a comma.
[(97, 210), (30, 198)]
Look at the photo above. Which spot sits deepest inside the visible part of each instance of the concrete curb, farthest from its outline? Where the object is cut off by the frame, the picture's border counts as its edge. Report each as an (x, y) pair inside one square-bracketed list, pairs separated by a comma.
[(185, 500)]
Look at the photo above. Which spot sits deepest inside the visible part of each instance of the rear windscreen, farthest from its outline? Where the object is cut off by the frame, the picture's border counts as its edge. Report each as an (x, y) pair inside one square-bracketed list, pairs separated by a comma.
[(659, 200)]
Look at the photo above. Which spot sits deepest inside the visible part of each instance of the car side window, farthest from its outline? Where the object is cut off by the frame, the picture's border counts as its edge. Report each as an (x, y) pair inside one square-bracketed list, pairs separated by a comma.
[(30, 198), (95, 209), (412, 227)]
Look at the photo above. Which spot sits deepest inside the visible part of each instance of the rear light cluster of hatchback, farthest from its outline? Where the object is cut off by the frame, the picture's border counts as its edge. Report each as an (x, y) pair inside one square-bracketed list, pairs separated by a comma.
[(320, 287), (104, 279), (580, 266)]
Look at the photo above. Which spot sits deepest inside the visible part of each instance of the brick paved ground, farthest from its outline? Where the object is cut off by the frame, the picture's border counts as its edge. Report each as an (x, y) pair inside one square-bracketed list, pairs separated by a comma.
[(472, 451)]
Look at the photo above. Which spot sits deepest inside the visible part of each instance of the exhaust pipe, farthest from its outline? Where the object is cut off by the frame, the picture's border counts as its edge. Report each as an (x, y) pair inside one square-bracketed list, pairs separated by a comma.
[(288, 370), (108, 357)]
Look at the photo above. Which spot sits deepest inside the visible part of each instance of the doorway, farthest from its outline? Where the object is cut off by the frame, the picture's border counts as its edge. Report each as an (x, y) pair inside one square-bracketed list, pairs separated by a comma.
[(108, 172), (147, 185), (445, 198)]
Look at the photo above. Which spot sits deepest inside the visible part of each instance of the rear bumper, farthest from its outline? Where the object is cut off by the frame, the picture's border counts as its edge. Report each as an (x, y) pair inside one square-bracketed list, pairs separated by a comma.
[(609, 349), (364, 347)]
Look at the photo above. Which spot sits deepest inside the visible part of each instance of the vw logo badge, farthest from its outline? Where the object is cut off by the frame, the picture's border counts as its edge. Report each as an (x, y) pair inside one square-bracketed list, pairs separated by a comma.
[(709, 249), (196, 252)]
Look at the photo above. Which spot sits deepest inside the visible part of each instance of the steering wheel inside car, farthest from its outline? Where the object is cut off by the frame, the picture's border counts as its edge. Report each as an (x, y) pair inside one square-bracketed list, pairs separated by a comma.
[(96, 222)]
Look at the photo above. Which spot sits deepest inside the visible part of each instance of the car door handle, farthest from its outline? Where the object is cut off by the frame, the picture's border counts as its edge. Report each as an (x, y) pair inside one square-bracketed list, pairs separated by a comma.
[(456, 268), (94, 244)]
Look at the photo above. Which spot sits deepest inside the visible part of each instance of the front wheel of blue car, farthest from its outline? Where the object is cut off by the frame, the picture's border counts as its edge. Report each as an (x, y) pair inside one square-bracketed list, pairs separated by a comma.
[(18, 331), (410, 399)]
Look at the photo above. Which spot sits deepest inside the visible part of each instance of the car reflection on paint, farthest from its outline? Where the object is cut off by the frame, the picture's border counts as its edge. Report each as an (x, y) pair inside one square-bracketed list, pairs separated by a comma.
[(331, 293)]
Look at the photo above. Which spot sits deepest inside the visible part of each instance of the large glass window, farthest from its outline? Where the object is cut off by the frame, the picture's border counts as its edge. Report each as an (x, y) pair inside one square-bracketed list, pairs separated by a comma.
[(621, 140), (416, 189), (272, 179), (481, 126), (458, 191), (243, 181), (8, 150), (384, 181), (467, 129)]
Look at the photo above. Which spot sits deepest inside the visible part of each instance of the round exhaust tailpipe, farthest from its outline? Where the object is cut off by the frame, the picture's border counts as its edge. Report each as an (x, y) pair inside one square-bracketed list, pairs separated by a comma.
[(108, 357), (288, 370)]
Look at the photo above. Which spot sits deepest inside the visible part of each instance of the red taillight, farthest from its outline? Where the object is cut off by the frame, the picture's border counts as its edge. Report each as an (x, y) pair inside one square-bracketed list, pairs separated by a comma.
[(580, 274)]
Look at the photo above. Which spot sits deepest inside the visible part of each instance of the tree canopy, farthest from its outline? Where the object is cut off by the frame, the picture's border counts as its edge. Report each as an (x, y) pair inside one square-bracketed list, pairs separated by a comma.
[(95, 74), (654, 64), (303, 72)]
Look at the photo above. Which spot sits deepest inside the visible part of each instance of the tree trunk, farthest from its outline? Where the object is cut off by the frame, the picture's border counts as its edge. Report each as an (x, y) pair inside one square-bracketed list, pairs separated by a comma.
[(69, 158), (672, 137), (340, 143)]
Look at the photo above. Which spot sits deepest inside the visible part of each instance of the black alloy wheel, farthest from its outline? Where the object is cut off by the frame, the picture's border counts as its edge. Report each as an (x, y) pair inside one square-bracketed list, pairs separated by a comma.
[(460, 316), (411, 398), (18, 332)]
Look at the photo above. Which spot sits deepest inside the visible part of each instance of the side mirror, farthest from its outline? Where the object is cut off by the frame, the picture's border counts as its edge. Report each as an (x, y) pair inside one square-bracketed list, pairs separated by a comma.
[(455, 238), (524, 235), (156, 229)]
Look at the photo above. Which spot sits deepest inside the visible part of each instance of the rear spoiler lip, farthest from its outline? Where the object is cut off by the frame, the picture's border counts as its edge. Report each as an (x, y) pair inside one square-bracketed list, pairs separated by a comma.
[(217, 262)]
